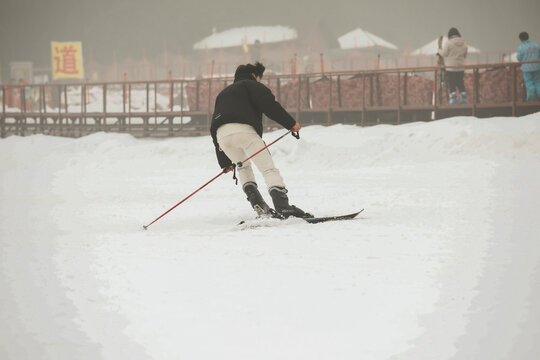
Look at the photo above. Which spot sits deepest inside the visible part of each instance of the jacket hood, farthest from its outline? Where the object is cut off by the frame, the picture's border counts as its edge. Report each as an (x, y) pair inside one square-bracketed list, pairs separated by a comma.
[(245, 71), (243, 76)]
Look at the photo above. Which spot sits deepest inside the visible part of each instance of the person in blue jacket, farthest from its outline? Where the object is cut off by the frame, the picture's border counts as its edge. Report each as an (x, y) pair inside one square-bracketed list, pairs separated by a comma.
[(529, 51)]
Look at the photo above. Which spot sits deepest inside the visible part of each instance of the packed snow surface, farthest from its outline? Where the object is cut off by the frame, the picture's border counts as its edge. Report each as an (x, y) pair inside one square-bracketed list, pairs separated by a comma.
[(444, 263)]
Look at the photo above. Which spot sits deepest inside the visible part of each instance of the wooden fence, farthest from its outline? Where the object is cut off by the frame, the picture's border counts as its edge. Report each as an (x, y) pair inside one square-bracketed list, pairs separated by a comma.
[(183, 107)]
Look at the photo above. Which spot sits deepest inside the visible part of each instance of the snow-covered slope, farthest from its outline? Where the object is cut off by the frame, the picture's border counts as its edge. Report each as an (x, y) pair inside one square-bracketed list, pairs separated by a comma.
[(443, 263)]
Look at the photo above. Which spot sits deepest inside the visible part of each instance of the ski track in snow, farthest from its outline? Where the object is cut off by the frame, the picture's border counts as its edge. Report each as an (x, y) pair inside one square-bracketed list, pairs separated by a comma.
[(444, 262)]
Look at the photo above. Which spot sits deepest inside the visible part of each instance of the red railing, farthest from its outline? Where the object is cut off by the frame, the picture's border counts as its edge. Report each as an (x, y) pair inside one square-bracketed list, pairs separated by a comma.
[(183, 106)]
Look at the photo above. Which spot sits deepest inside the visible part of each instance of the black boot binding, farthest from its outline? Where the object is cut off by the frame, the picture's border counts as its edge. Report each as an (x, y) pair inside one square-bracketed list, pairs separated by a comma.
[(256, 200), (282, 206)]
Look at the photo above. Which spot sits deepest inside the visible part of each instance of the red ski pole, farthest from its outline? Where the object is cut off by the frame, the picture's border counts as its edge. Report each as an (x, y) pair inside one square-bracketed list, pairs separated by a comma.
[(296, 135)]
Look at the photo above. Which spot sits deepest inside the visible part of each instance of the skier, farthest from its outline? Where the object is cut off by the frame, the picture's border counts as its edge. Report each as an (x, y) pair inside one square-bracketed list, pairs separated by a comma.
[(236, 132), (529, 51), (454, 53)]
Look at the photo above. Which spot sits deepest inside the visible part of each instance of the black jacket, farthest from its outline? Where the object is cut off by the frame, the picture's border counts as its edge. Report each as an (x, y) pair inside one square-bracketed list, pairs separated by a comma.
[(244, 102)]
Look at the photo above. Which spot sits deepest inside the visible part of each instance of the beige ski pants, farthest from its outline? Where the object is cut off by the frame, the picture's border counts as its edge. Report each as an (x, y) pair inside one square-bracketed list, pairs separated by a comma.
[(240, 146)]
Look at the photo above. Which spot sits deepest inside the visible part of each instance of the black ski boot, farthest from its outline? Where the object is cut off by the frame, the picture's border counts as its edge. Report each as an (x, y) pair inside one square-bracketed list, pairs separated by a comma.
[(255, 198), (281, 204)]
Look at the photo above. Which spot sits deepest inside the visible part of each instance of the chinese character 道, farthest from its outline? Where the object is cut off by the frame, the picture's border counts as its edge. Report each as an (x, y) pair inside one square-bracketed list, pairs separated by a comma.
[(65, 59)]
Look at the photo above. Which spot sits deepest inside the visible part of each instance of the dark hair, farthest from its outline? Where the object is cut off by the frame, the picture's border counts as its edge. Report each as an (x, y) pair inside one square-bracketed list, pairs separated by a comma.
[(248, 69), (523, 36), (453, 32)]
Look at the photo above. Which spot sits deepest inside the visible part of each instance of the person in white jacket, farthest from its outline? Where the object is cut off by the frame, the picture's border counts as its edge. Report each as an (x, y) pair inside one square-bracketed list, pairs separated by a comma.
[(454, 53)]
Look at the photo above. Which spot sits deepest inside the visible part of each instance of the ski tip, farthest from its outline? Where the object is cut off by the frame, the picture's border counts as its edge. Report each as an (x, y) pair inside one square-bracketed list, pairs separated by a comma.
[(317, 220), (145, 227)]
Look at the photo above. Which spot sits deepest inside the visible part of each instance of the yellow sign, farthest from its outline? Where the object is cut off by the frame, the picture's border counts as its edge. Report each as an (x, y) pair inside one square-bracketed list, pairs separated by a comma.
[(67, 60)]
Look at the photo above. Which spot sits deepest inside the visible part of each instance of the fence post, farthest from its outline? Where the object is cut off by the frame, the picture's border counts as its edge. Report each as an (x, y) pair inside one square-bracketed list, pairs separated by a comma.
[(371, 89), (104, 106), (155, 104), (59, 109), (399, 97), (23, 100), (147, 117), (329, 99), (436, 95), (3, 120), (378, 83), (170, 91), (197, 88), (514, 89), (147, 97), (298, 98), (47, 92), (83, 103), (181, 103), (405, 76), (363, 100), (308, 91), (66, 105), (124, 93), (171, 103), (129, 107), (339, 90), (279, 89), (475, 91), (208, 110)]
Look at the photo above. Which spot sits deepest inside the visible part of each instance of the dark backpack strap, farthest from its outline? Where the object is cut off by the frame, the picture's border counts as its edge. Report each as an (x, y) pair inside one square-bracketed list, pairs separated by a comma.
[(235, 178)]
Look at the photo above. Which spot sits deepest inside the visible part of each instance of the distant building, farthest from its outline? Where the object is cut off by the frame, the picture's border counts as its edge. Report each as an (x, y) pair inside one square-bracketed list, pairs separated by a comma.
[(246, 36), (362, 39)]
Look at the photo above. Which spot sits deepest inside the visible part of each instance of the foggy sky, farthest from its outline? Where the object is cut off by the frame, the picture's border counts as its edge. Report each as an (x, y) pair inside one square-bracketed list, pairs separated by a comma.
[(129, 27)]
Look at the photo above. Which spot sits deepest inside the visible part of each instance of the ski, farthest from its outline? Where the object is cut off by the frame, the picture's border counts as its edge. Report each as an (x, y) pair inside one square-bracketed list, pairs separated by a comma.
[(270, 221), (316, 220)]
